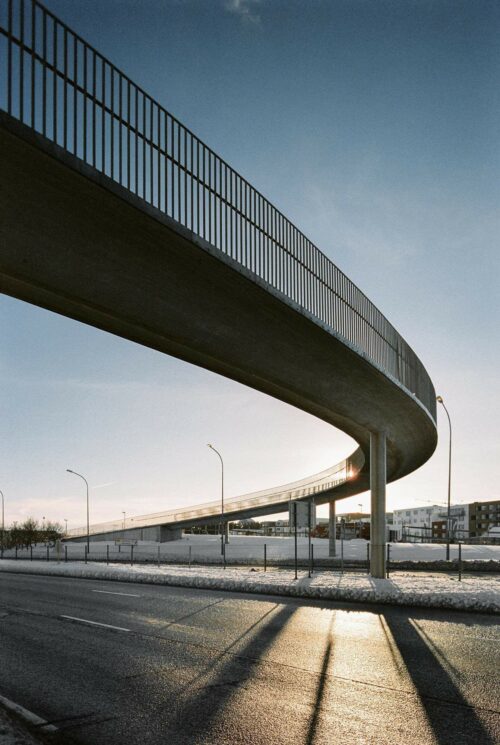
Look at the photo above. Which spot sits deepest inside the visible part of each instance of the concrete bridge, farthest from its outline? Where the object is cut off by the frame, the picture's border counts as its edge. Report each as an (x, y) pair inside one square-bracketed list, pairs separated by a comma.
[(115, 214)]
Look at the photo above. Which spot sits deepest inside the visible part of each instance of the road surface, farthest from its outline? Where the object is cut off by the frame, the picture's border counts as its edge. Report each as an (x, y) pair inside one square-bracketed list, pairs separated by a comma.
[(131, 663)]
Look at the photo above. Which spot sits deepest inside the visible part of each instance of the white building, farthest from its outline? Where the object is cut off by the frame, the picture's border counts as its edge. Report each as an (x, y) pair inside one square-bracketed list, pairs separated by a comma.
[(415, 523), (459, 517)]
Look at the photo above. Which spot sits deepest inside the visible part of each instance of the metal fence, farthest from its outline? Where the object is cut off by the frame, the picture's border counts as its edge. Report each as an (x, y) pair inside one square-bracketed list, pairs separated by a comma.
[(57, 84), (307, 556)]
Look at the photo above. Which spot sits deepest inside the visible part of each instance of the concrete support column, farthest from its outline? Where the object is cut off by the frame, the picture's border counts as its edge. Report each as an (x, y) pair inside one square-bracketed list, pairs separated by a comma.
[(332, 528), (226, 532), (377, 485)]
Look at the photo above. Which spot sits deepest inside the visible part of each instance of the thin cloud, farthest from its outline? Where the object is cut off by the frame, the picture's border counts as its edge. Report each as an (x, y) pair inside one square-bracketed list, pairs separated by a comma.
[(244, 9)]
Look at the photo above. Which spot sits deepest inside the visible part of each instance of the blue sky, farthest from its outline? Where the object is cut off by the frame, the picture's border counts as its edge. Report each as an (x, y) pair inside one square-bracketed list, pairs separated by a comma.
[(374, 127)]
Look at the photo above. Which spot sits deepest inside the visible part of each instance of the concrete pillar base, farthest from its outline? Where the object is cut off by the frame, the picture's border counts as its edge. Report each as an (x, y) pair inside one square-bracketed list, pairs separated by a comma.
[(377, 485)]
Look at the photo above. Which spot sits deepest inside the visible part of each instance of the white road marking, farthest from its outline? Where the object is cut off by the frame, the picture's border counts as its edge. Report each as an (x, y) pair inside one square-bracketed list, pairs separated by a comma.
[(28, 716), (95, 623), (125, 594)]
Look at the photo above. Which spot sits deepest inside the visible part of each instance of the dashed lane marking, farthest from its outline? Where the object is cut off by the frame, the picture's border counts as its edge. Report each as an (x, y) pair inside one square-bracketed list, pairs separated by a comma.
[(109, 592), (94, 623)]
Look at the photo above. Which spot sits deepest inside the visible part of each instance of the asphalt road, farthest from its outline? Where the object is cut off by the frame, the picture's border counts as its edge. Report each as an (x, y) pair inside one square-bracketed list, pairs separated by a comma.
[(188, 666)]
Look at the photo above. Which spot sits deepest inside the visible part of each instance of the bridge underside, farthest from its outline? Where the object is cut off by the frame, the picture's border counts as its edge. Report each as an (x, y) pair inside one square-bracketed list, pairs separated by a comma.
[(76, 243)]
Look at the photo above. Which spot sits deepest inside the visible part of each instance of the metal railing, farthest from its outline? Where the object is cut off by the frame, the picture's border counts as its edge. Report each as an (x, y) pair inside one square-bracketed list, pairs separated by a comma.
[(57, 84)]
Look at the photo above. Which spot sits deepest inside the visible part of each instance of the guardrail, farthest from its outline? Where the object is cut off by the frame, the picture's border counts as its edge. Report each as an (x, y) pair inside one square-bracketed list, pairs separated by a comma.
[(57, 84)]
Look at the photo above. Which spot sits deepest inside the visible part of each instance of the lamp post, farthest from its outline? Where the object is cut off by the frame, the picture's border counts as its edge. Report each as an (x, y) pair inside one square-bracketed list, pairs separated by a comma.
[(223, 536), (123, 513), (87, 485), (439, 399)]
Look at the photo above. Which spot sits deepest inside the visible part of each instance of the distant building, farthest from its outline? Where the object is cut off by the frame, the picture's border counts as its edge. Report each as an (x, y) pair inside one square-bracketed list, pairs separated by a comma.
[(473, 520), (415, 524), (483, 516), (459, 522), (357, 525)]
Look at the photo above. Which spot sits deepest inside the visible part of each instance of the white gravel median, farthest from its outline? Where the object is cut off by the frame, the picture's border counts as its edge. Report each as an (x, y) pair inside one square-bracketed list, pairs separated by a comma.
[(435, 591)]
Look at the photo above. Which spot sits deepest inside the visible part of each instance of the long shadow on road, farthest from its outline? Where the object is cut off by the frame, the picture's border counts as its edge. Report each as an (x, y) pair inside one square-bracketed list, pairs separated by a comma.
[(453, 720), (204, 706)]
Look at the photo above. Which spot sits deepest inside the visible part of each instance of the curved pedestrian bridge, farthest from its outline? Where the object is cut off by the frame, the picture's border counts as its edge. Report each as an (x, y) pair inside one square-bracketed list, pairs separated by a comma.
[(112, 212)]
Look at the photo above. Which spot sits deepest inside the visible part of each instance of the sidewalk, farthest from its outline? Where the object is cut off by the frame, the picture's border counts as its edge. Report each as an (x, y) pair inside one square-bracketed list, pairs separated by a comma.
[(436, 591)]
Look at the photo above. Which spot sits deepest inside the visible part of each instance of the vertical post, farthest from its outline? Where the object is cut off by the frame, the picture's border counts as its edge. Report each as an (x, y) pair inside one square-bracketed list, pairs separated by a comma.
[(131, 554), (439, 399), (16, 552), (312, 558), (332, 530), (190, 556), (31, 553), (459, 561), (388, 558), (224, 539), (309, 510), (158, 554), (65, 554), (342, 531), (265, 557), (377, 486), (368, 558), (85, 553), (107, 554), (295, 534), (47, 552)]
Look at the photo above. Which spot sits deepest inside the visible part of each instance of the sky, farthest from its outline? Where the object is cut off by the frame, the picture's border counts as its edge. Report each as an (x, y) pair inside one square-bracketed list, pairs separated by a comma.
[(374, 127)]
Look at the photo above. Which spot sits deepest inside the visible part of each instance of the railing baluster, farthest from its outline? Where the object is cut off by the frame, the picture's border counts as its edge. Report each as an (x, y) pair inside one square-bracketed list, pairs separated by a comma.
[(75, 96), (144, 147), (33, 67), (9, 58), (21, 60), (44, 75)]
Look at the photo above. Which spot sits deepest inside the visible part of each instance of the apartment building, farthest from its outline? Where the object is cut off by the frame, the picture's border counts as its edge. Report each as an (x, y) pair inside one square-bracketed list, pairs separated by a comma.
[(483, 516)]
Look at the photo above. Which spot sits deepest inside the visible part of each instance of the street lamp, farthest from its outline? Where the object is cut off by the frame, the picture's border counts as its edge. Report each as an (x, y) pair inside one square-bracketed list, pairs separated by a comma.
[(123, 513), (439, 399), (223, 549), (87, 485)]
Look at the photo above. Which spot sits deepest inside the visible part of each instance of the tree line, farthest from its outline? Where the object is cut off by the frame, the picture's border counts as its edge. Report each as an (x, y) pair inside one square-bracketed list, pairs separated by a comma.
[(30, 533)]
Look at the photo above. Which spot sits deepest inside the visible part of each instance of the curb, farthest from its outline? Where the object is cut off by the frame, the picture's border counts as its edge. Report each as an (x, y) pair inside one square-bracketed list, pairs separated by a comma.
[(299, 590)]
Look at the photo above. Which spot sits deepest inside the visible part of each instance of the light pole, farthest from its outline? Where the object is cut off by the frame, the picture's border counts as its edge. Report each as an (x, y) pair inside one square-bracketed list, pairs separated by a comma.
[(3, 519), (123, 513), (439, 399), (223, 536), (87, 485)]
